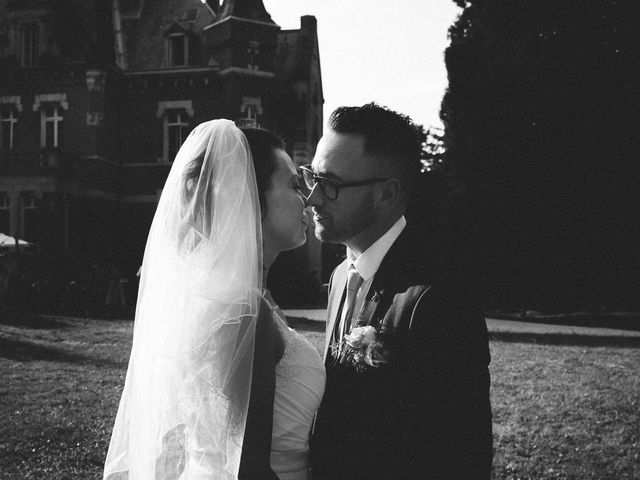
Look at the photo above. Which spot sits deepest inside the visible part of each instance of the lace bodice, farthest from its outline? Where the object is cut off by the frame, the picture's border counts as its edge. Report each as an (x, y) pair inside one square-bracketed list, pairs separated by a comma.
[(300, 378)]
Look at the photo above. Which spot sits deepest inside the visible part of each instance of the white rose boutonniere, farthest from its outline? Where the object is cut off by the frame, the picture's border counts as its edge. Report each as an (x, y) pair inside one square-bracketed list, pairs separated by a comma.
[(363, 349)]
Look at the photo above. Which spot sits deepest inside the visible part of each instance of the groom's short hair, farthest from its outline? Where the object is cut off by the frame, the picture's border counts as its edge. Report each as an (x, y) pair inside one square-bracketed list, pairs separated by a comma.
[(388, 134)]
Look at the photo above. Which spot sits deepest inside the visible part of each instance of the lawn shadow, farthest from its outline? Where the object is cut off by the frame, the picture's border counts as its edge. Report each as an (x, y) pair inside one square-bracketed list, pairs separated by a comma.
[(306, 325), (24, 351), (35, 322), (620, 321), (566, 339)]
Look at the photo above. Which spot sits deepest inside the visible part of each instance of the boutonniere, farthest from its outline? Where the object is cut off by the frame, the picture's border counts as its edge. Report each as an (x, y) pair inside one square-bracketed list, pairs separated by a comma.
[(362, 348), (368, 310)]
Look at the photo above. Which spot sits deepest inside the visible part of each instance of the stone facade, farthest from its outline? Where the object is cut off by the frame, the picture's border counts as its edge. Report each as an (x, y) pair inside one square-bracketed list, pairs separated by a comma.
[(97, 95)]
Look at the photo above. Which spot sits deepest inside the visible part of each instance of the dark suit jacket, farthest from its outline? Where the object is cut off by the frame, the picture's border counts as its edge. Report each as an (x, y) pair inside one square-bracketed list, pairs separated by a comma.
[(425, 414)]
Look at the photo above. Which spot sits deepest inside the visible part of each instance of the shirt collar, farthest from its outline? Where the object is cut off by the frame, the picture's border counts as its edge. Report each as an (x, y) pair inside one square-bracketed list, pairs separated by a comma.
[(369, 261)]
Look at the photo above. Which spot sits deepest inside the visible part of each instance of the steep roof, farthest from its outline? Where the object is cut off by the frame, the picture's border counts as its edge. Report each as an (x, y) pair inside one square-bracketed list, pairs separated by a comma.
[(298, 50), (249, 9), (131, 8), (145, 32)]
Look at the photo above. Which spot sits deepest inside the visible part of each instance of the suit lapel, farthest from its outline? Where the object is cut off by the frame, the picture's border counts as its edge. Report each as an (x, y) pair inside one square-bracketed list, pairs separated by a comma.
[(401, 267), (336, 292)]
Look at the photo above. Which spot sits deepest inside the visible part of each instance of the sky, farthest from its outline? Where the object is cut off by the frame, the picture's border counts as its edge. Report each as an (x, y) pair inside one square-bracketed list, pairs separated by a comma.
[(390, 52)]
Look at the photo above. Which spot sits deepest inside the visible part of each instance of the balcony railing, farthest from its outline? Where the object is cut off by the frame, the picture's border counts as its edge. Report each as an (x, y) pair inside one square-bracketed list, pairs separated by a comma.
[(92, 171), (96, 172), (43, 162)]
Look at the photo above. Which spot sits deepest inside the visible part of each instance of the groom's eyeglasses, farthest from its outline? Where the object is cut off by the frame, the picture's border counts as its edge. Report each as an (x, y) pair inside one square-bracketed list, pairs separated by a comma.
[(330, 188)]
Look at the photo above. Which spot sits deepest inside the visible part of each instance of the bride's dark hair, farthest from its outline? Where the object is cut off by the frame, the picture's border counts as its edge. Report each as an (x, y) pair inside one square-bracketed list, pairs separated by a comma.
[(263, 144)]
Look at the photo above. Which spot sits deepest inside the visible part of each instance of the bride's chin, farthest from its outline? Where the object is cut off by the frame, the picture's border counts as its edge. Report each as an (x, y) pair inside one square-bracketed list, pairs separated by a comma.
[(302, 240)]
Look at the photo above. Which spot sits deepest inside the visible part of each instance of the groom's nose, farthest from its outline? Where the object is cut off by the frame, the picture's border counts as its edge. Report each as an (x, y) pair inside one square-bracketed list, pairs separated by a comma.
[(315, 197)]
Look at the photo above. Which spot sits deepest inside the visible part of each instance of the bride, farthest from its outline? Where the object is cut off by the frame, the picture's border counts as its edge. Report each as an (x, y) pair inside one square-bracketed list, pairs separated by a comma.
[(218, 386)]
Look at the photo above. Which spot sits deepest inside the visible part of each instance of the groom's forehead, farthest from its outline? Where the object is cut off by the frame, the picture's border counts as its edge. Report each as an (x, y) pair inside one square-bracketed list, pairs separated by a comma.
[(339, 152)]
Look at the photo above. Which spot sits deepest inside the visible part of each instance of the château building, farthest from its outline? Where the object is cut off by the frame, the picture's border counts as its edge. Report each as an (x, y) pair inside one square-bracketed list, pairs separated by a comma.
[(96, 97)]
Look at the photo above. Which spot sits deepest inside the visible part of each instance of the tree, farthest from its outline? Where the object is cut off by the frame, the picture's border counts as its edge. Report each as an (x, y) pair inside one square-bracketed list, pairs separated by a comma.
[(542, 134), (433, 150)]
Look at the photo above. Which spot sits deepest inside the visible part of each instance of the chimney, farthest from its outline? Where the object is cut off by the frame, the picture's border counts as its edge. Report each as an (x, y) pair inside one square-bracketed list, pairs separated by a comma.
[(309, 23)]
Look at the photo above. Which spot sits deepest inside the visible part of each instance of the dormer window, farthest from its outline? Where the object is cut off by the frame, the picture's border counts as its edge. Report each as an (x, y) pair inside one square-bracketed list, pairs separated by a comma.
[(251, 108), (253, 56), (29, 44), (178, 49), (251, 113)]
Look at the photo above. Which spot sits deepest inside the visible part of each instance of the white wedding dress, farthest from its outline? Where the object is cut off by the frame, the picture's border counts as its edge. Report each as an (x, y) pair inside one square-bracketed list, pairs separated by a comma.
[(300, 379), (183, 410)]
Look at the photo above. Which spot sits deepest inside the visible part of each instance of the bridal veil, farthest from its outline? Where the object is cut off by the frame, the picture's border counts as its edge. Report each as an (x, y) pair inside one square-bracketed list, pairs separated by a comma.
[(183, 410)]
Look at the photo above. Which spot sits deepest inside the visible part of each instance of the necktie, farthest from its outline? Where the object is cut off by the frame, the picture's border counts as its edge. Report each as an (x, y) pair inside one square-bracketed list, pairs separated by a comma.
[(354, 281)]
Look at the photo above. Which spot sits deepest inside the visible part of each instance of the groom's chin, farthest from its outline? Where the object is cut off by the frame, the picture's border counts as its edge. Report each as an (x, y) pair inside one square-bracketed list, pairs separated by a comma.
[(324, 237), (324, 234), (320, 233)]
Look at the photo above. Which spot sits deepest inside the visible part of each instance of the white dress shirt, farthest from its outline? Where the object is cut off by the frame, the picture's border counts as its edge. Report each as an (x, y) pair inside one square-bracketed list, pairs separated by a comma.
[(368, 262)]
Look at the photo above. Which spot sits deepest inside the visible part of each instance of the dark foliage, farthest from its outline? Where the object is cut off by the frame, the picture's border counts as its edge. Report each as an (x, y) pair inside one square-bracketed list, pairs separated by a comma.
[(433, 152), (542, 132)]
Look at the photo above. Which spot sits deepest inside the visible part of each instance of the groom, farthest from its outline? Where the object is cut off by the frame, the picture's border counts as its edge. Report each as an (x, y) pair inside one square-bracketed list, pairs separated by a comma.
[(407, 394)]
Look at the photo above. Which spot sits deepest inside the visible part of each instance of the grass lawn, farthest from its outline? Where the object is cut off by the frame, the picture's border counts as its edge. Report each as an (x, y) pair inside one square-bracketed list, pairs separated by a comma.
[(560, 411)]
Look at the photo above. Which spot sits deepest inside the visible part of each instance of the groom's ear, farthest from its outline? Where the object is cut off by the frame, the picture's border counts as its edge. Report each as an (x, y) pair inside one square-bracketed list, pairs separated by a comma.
[(391, 191)]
